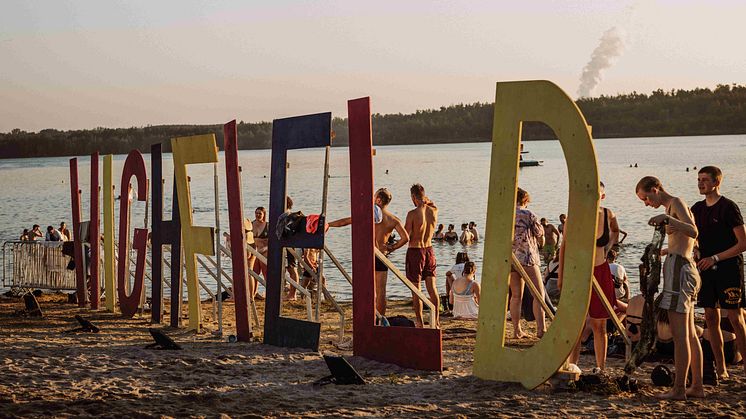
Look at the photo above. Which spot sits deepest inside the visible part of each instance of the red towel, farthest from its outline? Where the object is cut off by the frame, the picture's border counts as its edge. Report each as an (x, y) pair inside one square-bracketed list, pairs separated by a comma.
[(312, 224)]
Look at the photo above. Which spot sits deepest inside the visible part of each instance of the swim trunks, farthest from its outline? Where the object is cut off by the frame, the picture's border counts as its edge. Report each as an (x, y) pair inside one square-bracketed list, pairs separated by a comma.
[(548, 252), (723, 286), (380, 266), (420, 262), (602, 273), (681, 283)]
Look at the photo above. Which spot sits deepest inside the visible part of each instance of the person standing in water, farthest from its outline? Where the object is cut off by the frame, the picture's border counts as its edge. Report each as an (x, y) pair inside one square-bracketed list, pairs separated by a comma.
[(420, 261)]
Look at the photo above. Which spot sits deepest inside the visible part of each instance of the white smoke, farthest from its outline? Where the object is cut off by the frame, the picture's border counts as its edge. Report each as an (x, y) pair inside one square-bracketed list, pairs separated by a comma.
[(609, 48)]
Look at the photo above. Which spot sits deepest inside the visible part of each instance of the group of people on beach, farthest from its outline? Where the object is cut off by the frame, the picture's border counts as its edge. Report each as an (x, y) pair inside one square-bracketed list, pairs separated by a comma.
[(61, 234)]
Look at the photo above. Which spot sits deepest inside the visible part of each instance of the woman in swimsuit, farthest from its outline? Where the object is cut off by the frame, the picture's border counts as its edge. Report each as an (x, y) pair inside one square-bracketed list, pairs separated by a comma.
[(261, 241), (607, 231)]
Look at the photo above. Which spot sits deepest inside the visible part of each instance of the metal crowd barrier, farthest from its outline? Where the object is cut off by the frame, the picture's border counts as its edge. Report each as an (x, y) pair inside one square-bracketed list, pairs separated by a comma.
[(37, 265)]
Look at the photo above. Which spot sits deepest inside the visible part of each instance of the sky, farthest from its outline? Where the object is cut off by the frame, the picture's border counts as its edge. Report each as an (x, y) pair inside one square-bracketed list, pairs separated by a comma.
[(91, 63)]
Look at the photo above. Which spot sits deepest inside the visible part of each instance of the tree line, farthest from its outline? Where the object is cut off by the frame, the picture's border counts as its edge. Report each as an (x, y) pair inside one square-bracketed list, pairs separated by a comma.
[(700, 111)]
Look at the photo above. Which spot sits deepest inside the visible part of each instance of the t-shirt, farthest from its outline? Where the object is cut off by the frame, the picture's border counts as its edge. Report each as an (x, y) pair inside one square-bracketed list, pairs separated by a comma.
[(527, 231), (618, 272), (715, 225), (457, 270)]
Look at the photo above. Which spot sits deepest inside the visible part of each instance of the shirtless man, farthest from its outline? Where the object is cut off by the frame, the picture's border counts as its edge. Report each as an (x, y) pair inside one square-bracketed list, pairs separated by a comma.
[(681, 282), (551, 239), (420, 262), (383, 229)]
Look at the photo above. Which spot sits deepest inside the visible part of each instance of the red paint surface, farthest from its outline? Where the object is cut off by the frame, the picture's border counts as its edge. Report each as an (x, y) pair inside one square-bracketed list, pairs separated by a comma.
[(133, 166), (95, 235), (81, 290), (404, 346), (238, 235)]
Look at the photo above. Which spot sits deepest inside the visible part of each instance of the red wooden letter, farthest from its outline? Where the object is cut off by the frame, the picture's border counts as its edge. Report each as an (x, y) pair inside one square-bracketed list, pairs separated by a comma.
[(133, 166), (238, 235), (405, 346)]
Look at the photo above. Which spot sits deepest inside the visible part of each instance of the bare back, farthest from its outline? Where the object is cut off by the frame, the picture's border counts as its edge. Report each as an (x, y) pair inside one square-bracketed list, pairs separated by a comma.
[(420, 225)]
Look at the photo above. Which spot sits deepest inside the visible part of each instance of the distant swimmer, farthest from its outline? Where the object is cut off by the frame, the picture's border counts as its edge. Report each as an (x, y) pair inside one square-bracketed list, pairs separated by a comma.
[(387, 171), (687, 169), (635, 164)]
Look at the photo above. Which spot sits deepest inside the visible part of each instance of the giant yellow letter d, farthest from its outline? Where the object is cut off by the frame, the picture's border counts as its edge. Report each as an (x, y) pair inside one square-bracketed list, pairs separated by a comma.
[(543, 101)]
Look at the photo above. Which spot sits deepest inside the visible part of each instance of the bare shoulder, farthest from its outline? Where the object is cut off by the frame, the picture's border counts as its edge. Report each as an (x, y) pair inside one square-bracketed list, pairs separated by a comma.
[(679, 207)]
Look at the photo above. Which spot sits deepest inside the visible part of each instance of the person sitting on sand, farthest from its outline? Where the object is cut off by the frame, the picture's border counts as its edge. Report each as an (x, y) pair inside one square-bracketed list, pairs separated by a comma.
[(25, 235), (65, 232), (466, 236), (681, 281), (35, 233), (465, 294), (456, 271), (619, 274), (52, 235), (451, 236)]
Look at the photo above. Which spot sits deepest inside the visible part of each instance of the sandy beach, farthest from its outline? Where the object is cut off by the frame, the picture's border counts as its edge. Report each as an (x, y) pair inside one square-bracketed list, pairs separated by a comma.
[(49, 373)]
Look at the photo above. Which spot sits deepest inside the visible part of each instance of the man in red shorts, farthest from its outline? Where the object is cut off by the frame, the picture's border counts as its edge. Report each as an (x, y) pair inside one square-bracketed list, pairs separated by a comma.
[(420, 262)]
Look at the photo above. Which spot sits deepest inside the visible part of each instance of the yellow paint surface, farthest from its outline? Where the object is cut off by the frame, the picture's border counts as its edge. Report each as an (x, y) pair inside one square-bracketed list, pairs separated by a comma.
[(194, 239), (543, 101), (109, 278)]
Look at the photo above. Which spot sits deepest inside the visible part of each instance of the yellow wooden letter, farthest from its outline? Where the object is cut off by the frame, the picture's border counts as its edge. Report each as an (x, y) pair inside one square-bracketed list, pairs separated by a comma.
[(194, 239), (543, 101), (111, 280)]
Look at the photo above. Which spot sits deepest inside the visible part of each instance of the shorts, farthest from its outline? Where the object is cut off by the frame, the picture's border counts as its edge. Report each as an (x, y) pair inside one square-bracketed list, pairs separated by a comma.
[(602, 273), (291, 262), (723, 287), (681, 283), (548, 252), (380, 266), (420, 262)]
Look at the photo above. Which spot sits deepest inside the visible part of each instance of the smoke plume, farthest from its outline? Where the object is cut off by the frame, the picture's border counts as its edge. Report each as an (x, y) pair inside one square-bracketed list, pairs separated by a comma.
[(609, 47)]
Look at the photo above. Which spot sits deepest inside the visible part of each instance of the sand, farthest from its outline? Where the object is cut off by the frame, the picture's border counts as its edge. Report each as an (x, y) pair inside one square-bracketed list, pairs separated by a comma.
[(48, 373)]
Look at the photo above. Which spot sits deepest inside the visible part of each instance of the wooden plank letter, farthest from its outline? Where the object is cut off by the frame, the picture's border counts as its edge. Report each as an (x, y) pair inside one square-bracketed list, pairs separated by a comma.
[(238, 234), (543, 101), (95, 235), (408, 347), (163, 233), (195, 239), (81, 289), (133, 166), (109, 278), (309, 131)]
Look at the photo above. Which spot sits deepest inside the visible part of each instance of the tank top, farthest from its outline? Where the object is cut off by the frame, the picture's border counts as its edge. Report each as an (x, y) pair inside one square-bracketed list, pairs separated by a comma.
[(604, 239)]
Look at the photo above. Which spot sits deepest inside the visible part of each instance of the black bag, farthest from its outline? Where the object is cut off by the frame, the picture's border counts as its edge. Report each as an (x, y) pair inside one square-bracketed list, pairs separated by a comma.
[(290, 223), (400, 321)]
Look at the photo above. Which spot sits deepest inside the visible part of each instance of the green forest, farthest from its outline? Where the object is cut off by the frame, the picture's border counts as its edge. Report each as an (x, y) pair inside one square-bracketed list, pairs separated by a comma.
[(699, 111)]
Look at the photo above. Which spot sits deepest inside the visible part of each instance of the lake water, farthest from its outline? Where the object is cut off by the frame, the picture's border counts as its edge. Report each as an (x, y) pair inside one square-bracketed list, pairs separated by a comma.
[(37, 191)]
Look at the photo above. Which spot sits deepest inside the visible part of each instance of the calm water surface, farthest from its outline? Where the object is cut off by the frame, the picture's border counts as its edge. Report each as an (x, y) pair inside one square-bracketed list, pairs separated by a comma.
[(37, 191)]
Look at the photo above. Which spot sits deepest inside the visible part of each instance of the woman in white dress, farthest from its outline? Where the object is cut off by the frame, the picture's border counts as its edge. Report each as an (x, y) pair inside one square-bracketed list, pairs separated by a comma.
[(465, 294)]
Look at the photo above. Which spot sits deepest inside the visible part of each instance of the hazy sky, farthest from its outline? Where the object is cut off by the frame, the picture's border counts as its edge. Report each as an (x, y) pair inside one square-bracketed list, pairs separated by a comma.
[(89, 63)]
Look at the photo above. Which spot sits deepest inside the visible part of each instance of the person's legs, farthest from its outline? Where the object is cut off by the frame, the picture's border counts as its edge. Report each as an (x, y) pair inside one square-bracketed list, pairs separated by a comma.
[(600, 341), (535, 275), (381, 278), (417, 307), (432, 290), (712, 319), (739, 328), (680, 330), (516, 297), (294, 276), (696, 389)]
